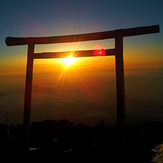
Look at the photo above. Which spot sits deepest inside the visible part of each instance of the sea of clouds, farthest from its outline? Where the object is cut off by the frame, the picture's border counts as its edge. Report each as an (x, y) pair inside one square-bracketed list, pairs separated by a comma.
[(84, 95)]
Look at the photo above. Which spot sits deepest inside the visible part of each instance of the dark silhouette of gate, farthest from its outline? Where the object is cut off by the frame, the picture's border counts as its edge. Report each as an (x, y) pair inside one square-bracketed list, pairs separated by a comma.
[(117, 51)]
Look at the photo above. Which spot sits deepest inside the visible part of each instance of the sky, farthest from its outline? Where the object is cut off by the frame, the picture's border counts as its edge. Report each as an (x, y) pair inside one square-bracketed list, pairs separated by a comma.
[(143, 57)]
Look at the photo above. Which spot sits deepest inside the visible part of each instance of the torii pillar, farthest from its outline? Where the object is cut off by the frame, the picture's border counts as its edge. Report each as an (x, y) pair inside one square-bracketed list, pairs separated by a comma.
[(120, 89)]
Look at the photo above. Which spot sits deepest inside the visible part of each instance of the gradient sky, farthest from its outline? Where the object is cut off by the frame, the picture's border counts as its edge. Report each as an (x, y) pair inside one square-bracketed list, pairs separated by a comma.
[(36, 18), (39, 18)]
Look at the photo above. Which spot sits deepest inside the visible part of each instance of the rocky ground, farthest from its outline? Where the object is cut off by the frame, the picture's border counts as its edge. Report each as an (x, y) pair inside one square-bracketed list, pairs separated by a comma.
[(63, 141)]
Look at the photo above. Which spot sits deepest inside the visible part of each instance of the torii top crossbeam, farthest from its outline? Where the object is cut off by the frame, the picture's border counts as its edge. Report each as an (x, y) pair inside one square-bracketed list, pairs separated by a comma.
[(117, 51), (11, 41)]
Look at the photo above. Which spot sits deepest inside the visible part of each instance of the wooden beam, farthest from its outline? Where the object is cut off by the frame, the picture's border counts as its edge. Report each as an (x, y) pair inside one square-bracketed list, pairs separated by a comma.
[(120, 89), (84, 53), (27, 98), (11, 41)]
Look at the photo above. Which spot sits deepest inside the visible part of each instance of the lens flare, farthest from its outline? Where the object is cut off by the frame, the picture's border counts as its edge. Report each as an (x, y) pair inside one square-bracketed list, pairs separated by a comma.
[(68, 61)]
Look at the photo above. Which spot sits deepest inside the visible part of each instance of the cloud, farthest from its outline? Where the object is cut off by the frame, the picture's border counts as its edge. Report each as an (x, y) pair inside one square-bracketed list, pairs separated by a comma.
[(2, 94), (89, 97)]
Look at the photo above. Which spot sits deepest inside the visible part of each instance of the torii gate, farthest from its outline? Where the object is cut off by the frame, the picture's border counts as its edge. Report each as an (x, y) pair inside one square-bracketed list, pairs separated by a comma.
[(117, 51)]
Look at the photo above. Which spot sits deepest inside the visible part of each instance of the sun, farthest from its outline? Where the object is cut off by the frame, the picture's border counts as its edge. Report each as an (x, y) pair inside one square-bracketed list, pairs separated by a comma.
[(68, 61)]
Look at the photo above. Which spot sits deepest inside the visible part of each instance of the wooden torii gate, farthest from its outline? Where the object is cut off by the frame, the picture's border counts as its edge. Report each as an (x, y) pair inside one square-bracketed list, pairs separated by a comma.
[(117, 51)]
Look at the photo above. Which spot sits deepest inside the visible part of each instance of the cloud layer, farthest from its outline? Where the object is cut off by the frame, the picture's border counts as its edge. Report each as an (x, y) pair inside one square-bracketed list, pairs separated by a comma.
[(87, 97)]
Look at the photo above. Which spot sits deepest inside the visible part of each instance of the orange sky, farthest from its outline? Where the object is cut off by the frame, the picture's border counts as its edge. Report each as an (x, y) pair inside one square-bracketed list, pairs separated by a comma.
[(132, 57)]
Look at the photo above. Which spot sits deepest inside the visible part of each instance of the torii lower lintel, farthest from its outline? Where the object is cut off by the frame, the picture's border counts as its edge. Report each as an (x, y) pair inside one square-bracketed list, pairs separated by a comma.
[(118, 52)]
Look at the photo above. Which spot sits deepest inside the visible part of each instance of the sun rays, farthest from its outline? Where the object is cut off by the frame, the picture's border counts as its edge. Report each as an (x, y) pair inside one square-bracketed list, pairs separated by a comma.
[(68, 61)]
